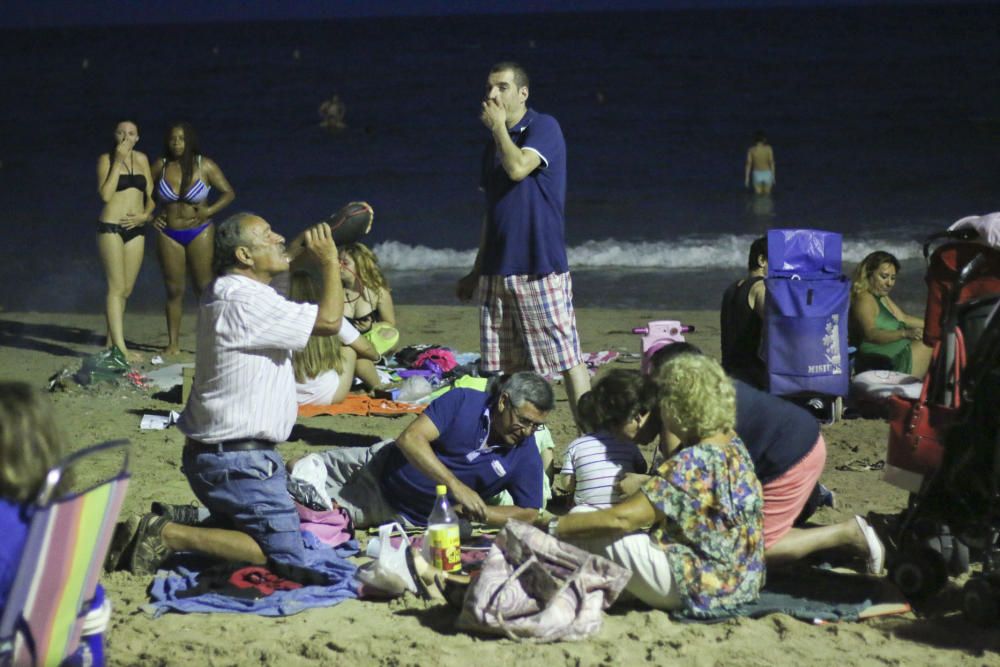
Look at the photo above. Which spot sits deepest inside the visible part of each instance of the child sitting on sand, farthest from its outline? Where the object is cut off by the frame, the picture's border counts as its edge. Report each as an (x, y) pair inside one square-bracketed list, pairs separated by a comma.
[(614, 410), (368, 305), (324, 370)]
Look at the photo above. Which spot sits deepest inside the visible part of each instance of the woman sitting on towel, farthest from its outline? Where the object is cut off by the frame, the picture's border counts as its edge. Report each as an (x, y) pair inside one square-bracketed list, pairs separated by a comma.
[(324, 370), (368, 305), (886, 337), (693, 535)]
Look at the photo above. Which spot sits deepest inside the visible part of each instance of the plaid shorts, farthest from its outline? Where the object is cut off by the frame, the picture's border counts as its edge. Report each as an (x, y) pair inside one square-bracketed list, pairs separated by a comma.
[(527, 323)]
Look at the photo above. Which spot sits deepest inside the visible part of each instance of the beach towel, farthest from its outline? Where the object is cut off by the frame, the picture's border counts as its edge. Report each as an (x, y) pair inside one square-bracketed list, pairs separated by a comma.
[(814, 595), (168, 588), (363, 406)]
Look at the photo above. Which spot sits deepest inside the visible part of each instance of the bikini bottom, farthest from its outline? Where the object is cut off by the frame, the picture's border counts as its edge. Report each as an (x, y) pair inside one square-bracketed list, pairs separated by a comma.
[(114, 228), (185, 236)]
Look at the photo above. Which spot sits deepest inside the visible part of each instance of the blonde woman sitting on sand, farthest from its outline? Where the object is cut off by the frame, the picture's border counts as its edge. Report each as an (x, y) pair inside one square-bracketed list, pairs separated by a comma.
[(324, 370), (368, 306), (886, 337)]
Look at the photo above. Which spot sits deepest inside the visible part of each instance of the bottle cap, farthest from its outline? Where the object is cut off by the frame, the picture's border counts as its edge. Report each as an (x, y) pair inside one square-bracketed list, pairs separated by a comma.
[(442, 490)]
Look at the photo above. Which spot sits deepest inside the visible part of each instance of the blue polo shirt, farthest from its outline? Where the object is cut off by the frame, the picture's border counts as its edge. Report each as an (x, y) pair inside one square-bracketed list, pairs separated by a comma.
[(525, 220), (462, 417)]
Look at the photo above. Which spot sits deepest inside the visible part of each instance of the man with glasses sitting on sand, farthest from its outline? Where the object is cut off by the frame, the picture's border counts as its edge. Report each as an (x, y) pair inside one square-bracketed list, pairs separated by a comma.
[(475, 443)]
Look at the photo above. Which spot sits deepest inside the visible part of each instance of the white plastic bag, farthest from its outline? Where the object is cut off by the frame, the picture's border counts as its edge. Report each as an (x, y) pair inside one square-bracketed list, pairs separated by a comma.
[(389, 572), (312, 470)]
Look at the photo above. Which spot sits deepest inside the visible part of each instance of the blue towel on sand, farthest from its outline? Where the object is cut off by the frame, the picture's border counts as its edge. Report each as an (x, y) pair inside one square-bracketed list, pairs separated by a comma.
[(809, 594), (320, 557)]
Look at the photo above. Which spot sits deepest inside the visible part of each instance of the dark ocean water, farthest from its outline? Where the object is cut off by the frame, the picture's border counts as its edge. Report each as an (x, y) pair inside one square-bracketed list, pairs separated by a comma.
[(884, 121)]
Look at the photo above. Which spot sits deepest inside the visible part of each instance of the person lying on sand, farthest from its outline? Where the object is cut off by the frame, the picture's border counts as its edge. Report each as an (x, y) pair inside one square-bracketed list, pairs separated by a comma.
[(475, 443), (788, 453)]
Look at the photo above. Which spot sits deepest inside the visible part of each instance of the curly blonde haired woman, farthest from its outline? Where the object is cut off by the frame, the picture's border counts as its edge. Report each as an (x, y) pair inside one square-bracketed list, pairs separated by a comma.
[(368, 305), (882, 332)]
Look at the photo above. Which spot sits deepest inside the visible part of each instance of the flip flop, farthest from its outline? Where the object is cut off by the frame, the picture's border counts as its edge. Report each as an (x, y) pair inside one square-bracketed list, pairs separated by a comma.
[(876, 550), (433, 591)]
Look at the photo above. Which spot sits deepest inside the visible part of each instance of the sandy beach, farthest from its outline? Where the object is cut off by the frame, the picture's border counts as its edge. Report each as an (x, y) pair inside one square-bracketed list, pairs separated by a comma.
[(34, 346)]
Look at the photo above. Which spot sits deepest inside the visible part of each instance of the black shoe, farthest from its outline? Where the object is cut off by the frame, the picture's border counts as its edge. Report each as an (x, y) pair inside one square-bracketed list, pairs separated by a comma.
[(185, 514), (120, 540)]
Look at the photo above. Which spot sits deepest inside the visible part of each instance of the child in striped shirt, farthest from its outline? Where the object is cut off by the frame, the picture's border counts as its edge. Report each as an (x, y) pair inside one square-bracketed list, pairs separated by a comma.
[(613, 411)]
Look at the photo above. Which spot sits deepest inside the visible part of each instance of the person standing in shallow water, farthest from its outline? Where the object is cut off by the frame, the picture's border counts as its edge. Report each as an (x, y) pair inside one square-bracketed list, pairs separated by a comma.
[(125, 186), (184, 178), (760, 165)]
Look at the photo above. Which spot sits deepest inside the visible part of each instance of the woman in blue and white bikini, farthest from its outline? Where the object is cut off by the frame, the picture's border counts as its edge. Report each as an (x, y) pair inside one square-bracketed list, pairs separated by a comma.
[(183, 179)]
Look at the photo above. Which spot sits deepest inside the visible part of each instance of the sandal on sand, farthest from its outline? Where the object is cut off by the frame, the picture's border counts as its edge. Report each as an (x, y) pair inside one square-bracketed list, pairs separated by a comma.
[(876, 550), (427, 579)]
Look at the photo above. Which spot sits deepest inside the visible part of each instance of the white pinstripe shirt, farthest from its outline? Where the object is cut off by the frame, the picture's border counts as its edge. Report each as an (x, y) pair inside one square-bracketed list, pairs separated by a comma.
[(244, 385)]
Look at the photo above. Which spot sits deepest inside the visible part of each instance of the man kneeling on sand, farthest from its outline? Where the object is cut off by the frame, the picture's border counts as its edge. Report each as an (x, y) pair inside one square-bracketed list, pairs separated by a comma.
[(242, 404), (477, 444)]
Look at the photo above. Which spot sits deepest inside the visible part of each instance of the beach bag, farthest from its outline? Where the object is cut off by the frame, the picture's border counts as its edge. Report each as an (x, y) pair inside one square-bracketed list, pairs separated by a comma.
[(105, 366), (803, 252), (389, 572), (805, 335), (917, 428), (438, 360), (533, 586)]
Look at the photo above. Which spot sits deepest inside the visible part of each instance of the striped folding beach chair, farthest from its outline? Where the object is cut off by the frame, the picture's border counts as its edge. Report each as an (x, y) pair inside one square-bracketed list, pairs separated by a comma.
[(56, 580)]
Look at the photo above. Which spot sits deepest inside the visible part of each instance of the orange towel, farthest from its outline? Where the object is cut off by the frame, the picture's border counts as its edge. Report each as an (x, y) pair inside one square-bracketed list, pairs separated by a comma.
[(358, 404)]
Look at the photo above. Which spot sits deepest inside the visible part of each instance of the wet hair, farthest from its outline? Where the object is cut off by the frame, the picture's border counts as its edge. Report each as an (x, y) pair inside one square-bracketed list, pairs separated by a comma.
[(187, 158), (114, 144), (759, 137), (527, 386), (520, 74), (368, 273), (229, 237), (30, 441), (668, 352), (321, 353), (617, 398), (866, 268), (757, 248), (697, 399)]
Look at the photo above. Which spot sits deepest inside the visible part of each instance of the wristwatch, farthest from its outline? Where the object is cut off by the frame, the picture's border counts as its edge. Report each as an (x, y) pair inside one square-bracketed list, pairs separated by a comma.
[(553, 524)]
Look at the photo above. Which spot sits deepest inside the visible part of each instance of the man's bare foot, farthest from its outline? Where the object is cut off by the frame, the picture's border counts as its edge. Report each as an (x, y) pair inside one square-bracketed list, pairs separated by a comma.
[(170, 350)]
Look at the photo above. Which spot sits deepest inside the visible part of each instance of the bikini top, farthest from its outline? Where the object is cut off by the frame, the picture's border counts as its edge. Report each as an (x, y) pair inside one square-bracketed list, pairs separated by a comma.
[(126, 181), (196, 194)]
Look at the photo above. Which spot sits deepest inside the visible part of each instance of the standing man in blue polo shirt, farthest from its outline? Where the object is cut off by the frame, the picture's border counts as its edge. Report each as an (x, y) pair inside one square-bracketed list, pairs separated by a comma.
[(526, 317)]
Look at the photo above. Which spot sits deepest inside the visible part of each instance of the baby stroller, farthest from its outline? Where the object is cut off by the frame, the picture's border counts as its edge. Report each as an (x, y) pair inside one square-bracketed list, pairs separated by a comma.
[(945, 447)]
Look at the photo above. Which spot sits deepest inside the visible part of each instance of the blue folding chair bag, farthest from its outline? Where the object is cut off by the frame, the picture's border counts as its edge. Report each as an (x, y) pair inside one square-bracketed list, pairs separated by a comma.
[(806, 335), (803, 252)]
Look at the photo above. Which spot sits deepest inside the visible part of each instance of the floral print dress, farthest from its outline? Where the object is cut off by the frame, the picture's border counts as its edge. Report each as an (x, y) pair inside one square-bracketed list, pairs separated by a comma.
[(713, 529)]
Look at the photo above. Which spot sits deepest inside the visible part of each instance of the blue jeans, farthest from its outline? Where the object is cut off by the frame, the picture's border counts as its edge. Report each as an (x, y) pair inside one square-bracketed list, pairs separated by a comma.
[(247, 491)]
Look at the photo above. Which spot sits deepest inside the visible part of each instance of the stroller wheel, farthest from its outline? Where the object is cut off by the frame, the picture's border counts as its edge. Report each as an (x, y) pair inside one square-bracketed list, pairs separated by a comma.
[(919, 574), (980, 602)]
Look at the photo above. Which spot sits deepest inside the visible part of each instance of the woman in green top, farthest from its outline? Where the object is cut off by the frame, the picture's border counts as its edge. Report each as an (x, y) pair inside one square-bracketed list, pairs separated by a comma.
[(880, 328)]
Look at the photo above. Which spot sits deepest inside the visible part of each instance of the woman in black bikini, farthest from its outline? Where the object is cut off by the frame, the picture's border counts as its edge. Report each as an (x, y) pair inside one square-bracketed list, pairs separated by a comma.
[(183, 180), (125, 186)]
